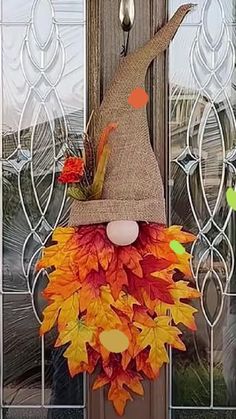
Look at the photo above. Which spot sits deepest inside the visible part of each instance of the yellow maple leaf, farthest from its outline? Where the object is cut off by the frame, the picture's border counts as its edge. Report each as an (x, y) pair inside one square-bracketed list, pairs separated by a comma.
[(50, 314), (181, 289), (100, 312), (156, 337), (69, 311), (63, 310), (182, 264), (78, 334), (180, 312), (56, 254)]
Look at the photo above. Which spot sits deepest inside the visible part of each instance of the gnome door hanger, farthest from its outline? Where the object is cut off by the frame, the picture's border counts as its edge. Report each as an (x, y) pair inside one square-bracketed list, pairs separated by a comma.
[(119, 274)]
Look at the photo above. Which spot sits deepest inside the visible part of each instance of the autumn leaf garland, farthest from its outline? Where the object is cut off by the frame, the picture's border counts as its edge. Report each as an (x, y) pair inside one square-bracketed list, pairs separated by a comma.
[(97, 290)]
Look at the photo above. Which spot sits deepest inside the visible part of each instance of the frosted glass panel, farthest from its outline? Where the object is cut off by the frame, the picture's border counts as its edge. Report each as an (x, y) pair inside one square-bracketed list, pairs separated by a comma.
[(202, 124), (42, 113)]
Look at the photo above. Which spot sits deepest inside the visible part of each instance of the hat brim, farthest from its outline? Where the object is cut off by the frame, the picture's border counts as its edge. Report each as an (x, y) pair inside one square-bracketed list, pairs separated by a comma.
[(106, 210)]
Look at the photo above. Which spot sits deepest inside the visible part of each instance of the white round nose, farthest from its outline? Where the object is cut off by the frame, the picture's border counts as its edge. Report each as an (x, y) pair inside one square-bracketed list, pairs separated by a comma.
[(122, 233)]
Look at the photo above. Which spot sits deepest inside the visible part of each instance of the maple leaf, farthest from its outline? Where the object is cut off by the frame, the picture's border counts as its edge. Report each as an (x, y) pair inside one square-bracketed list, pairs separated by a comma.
[(156, 338), (180, 312), (69, 311), (151, 266), (142, 316), (50, 315), (93, 248), (100, 312), (77, 334), (155, 239), (175, 233), (148, 289), (123, 257), (154, 287), (56, 254), (182, 264), (142, 364), (131, 258), (103, 345), (93, 358), (90, 288), (130, 352), (62, 310), (163, 249), (116, 276), (149, 242), (117, 393), (125, 303), (63, 282)]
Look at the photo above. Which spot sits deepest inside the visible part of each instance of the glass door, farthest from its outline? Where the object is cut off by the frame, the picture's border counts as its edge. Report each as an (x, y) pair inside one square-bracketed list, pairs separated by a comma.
[(42, 114), (202, 127)]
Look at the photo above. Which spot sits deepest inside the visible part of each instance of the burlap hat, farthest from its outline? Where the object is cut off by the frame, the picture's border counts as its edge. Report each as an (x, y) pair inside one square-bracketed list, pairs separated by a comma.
[(133, 188)]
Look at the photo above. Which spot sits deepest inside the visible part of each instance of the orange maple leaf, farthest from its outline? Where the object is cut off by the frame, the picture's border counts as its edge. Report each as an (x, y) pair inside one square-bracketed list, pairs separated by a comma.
[(149, 242), (117, 393), (93, 358), (182, 264), (175, 232), (62, 282), (127, 329), (69, 311), (116, 276)]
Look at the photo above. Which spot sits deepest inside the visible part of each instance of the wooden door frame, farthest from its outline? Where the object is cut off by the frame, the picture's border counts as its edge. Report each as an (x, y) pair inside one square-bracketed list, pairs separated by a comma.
[(104, 41)]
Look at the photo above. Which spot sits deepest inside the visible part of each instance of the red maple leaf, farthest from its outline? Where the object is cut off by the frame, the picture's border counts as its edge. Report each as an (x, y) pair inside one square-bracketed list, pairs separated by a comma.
[(150, 265), (123, 258), (143, 365), (149, 289), (93, 249), (90, 287)]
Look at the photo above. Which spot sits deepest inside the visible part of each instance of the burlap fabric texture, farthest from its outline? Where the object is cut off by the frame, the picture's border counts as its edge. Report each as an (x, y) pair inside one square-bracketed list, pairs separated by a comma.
[(133, 188)]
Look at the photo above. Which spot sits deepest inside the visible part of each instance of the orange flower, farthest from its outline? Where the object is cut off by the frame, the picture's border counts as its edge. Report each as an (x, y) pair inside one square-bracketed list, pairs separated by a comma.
[(73, 170)]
